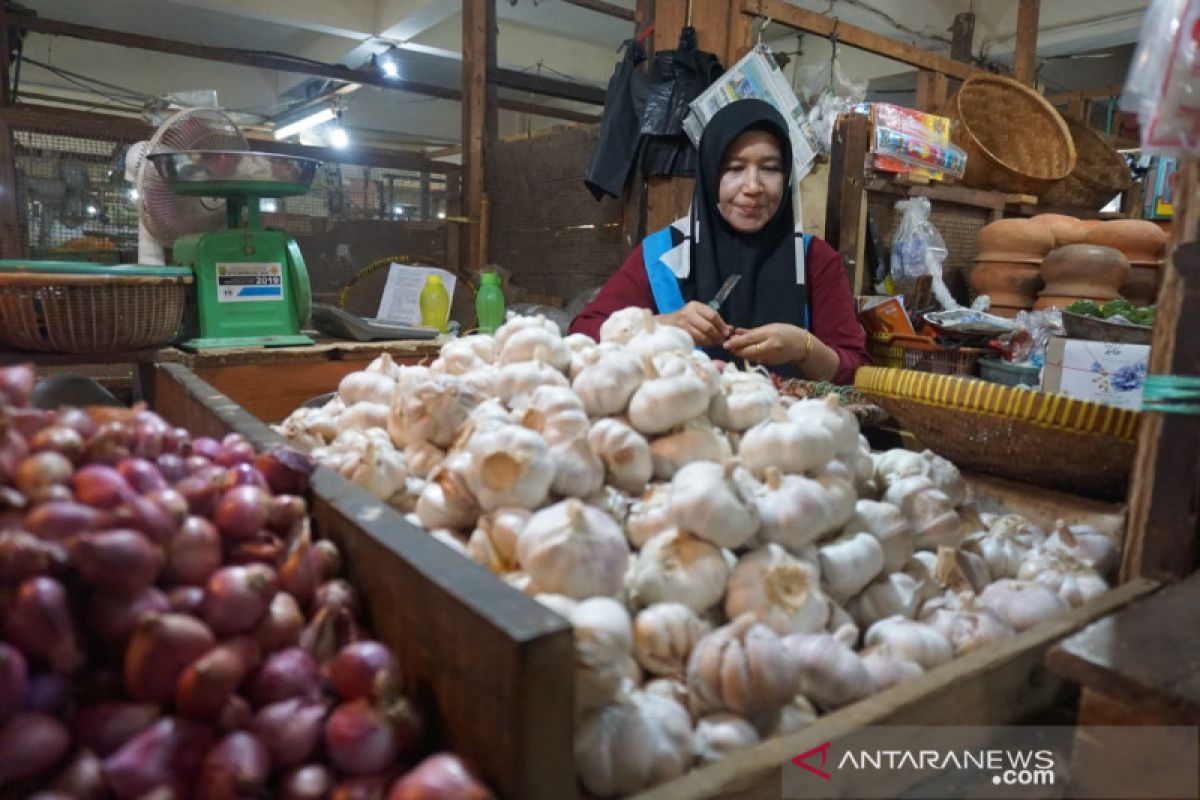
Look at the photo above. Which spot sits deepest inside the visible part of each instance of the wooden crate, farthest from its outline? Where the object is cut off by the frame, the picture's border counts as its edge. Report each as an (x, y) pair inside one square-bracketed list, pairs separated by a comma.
[(495, 665), (498, 667)]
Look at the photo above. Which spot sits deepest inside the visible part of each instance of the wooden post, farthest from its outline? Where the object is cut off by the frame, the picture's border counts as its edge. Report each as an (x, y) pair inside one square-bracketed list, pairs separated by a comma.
[(1025, 58), (478, 119), (5, 60), (12, 243), (633, 203), (1077, 107), (1164, 494), (844, 209), (426, 200), (962, 34), (932, 88)]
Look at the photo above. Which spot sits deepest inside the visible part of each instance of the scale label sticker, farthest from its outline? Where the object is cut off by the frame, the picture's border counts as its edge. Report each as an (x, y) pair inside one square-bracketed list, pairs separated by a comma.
[(248, 282)]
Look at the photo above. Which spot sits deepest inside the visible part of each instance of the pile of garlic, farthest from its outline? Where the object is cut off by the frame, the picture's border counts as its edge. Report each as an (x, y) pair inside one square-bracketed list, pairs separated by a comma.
[(733, 562)]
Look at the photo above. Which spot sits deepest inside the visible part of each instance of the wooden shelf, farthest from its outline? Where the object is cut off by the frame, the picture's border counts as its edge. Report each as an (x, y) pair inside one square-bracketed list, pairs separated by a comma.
[(980, 198)]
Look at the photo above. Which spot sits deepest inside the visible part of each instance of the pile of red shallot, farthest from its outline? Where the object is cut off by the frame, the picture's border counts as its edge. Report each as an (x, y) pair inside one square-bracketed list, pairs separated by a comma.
[(170, 630)]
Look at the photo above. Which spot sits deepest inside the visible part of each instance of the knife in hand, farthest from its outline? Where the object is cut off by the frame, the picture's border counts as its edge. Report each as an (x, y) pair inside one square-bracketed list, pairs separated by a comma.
[(724, 292)]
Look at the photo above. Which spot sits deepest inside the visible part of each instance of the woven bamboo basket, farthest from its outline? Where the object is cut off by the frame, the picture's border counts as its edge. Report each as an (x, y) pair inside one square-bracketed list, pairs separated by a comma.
[(1015, 141), (1045, 439), (77, 313), (1100, 172)]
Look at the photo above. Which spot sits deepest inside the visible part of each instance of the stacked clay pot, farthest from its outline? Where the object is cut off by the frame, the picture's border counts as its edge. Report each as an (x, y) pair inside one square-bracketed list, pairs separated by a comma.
[(1066, 230), (1144, 245), (1007, 266), (1081, 272)]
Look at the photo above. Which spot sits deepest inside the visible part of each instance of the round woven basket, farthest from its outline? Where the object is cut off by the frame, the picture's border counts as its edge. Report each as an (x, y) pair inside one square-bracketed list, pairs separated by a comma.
[(1015, 141), (1045, 439), (91, 313), (1100, 172)]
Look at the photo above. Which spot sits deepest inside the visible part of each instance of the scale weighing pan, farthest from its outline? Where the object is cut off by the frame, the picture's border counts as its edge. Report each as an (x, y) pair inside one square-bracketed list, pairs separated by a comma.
[(239, 173), (334, 321)]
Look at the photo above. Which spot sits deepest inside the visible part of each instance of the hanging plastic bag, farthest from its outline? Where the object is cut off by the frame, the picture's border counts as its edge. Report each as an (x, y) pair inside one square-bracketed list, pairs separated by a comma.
[(620, 129), (677, 77), (1163, 85), (918, 249)]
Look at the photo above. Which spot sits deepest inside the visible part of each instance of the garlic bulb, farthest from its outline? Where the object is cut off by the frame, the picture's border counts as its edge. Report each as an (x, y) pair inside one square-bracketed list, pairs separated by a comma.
[(635, 742), (744, 399), (431, 411), (560, 604), (322, 422), (665, 635), (959, 570), (968, 627), (695, 440), (649, 515), (446, 501), (793, 447), (523, 378), (555, 413), (915, 641), (606, 386), (575, 550), (1086, 544), (533, 343), (842, 625), (885, 522), (1022, 604), (715, 502), (895, 464), (945, 477), (829, 673), (1073, 580), (718, 735), (677, 567), (494, 541), (296, 430), (623, 325), (848, 565), (827, 412), (624, 453), (577, 470), (888, 669), (1003, 547), (511, 466), (659, 339), (423, 458), (664, 401), (384, 364), (793, 717), (671, 688), (742, 667), (364, 414), (840, 497), (603, 644), (863, 463), (795, 511), (379, 469), (778, 590), (927, 509), (891, 594), (370, 387), (460, 356), (611, 501)]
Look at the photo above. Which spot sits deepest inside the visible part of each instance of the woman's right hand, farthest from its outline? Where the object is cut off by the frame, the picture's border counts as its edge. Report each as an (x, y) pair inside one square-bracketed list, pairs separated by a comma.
[(702, 323)]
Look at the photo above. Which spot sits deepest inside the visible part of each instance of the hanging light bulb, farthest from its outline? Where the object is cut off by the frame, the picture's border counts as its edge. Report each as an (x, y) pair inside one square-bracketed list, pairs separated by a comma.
[(339, 137)]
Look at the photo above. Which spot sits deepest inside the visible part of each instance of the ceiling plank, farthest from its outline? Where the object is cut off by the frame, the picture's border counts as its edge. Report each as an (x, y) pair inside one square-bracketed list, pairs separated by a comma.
[(351, 19), (611, 9), (402, 20)]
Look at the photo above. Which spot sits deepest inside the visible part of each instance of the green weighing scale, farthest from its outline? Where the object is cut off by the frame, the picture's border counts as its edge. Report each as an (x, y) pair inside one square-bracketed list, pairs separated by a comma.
[(251, 284)]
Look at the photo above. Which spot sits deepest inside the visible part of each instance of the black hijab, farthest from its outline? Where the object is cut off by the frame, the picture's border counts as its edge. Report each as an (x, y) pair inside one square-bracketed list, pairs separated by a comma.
[(766, 259)]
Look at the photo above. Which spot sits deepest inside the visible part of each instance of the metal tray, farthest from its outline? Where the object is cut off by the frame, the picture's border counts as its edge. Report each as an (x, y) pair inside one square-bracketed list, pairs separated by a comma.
[(223, 173), (1079, 326)]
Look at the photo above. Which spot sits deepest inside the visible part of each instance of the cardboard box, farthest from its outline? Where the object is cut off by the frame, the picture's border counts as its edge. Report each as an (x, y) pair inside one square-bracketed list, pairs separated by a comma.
[(1100, 372), (886, 316)]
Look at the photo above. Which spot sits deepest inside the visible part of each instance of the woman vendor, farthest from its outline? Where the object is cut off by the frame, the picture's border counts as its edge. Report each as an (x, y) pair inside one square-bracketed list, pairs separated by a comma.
[(792, 309)]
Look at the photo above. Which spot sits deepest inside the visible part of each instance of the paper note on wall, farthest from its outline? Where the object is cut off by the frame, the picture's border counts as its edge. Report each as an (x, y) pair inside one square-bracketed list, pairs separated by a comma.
[(401, 300)]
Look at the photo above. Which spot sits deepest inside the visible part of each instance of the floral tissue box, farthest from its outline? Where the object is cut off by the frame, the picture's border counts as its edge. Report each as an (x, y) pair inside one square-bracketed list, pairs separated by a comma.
[(1102, 372)]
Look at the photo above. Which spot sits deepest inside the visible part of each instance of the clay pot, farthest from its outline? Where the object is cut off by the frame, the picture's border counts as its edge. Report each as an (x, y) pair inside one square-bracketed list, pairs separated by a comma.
[(1138, 239), (1008, 283), (1062, 301), (1066, 230), (1016, 235), (1084, 270), (1141, 287)]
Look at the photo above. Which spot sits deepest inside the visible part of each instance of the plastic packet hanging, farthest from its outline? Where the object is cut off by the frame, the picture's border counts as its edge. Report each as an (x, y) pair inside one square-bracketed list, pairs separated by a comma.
[(914, 239), (1163, 85), (828, 92), (1038, 327), (917, 151)]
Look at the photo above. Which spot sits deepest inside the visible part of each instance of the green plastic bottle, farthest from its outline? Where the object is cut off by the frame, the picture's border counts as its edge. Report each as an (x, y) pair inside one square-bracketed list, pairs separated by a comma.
[(489, 303), (435, 304)]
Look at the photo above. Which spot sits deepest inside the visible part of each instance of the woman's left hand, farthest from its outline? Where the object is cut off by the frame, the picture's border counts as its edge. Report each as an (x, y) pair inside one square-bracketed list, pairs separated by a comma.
[(773, 344)]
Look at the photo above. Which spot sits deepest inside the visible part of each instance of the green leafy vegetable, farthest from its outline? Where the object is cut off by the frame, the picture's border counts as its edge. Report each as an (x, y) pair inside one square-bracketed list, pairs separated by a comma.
[(1085, 308), (1114, 307)]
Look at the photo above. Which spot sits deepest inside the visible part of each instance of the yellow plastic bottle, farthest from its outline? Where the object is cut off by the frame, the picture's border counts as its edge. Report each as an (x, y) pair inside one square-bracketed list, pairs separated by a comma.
[(435, 304)]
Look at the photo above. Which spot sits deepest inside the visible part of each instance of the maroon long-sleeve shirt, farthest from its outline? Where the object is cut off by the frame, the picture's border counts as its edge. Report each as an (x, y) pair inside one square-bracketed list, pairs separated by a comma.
[(833, 320)]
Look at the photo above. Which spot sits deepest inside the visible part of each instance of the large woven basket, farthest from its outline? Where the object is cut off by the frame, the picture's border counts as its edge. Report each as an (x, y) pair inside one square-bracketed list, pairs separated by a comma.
[(1100, 172), (61, 307), (1045, 439), (1015, 140)]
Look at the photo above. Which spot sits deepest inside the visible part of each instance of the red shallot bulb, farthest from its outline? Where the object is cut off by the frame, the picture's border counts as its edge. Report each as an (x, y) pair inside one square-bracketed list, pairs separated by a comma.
[(119, 560), (82, 778), (207, 684), (282, 624), (287, 471), (62, 519), (104, 727), (236, 766), (441, 776), (291, 730), (236, 598), (142, 475), (363, 669), (194, 553), (38, 473), (168, 754), (112, 617), (24, 556), (186, 600), (16, 384), (14, 679), (101, 486), (242, 512), (38, 622), (287, 674), (161, 648), (310, 782), (29, 744), (58, 438), (359, 739)]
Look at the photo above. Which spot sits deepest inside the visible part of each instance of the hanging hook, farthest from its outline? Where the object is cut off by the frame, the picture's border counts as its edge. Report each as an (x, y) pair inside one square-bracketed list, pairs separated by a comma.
[(833, 46), (762, 27)]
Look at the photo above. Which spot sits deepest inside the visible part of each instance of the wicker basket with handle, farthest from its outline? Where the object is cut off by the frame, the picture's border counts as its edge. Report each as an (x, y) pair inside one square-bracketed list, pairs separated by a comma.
[(1100, 172), (1045, 439), (62, 307), (1014, 139)]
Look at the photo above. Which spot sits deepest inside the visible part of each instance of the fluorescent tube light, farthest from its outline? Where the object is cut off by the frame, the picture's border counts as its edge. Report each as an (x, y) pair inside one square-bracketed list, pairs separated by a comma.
[(304, 123)]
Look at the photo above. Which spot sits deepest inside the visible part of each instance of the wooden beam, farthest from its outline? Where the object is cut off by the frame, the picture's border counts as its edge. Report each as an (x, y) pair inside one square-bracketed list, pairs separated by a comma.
[(478, 21), (785, 13), (546, 86), (541, 110), (846, 196), (932, 88), (1164, 495), (1111, 90), (962, 34), (1025, 58), (599, 6), (1077, 107), (5, 59)]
